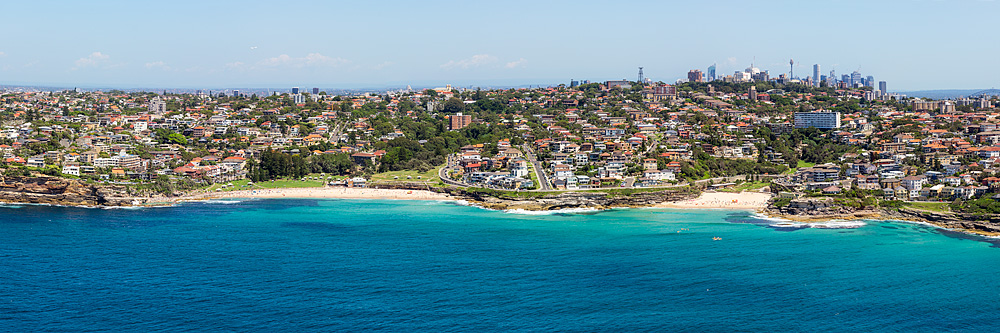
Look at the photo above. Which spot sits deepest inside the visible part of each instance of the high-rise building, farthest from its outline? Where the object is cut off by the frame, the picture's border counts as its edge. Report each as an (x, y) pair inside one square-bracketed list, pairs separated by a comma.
[(845, 79), (753, 93), (761, 76), (870, 81), (881, 88), (573, 83), (236, 93), (695, 75), (458, 121), (821, 120), (295, 90), (816, 75), (315, 91), (711, 73), (856, 78), (298, 98), (157, 106)]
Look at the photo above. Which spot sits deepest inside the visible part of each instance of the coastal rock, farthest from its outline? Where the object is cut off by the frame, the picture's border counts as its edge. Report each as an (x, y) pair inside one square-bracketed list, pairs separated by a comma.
[(572, 199), (60, 191), (983, 223), (822, 208)]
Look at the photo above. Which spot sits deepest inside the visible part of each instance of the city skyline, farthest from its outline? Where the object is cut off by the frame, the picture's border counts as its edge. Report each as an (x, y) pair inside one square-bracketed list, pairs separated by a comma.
[(356, 45)]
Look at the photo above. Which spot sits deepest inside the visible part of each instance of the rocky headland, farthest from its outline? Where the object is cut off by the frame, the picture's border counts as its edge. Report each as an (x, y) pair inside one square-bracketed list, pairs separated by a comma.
[(596, 199), (824, 209), (61, 191)]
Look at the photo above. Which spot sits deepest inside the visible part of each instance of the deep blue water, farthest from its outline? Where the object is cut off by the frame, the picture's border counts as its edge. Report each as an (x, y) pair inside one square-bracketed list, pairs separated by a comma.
[(351, 265)]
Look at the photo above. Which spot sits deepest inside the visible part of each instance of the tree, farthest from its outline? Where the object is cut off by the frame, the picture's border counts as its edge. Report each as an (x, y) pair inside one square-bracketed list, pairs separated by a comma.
[(454, 105)]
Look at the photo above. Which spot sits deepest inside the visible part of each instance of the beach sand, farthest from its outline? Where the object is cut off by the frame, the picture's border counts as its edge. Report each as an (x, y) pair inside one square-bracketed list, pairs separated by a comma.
[(742, 200), (325, 193)]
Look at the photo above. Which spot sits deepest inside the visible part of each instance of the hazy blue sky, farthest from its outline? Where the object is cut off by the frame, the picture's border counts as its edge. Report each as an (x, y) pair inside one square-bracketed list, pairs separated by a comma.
[(911, 44)]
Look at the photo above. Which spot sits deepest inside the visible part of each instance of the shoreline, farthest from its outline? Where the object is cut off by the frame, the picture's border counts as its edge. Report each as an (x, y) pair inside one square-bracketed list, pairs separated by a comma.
[(876, 216), (315, 193), (756, 201)]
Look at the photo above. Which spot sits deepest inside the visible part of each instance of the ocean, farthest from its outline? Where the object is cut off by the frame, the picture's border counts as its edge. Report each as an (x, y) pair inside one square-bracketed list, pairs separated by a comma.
[(360, 265)]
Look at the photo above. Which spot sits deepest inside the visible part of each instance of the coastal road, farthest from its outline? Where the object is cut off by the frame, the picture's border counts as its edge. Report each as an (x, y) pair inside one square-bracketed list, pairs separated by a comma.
[(539, 173), (451, 163)]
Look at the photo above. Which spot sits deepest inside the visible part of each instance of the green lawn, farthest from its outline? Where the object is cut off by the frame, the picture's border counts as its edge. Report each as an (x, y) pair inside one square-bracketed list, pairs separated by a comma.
[(391, 176), (287, 183), (930, 206), (239, 185), (800, 165), (534, 179), (747, 186)]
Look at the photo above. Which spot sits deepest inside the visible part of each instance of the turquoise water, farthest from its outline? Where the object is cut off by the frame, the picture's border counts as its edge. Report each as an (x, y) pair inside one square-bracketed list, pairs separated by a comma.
[(350, 265)]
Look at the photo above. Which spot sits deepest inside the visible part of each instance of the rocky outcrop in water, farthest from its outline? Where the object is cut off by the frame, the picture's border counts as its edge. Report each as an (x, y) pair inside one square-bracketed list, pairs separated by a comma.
[(819, 209), (571, 199), (814, 207), (60, 191), (951, 220)]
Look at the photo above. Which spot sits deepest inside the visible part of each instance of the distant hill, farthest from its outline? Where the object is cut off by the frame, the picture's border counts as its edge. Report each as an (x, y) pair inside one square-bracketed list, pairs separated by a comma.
[(941, 94)]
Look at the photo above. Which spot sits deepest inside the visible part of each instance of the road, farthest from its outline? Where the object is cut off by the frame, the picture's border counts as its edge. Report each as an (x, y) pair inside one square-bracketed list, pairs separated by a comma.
[(451, 163), (539, 173)]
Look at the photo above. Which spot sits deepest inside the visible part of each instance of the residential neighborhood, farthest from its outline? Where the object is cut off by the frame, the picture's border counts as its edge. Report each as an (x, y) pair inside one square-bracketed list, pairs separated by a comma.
[(804, 138)]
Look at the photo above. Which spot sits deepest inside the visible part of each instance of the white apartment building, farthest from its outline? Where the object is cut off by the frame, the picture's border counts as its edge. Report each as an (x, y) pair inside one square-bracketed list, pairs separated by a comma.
[(820, 120)]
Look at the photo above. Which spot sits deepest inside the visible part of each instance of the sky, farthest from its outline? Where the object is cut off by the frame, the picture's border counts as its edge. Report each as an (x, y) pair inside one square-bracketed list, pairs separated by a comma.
[(913, 45)]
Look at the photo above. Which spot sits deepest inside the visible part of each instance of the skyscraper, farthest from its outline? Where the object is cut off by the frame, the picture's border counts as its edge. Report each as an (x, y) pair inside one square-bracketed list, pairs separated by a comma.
[(694, 75), (881, 88), (816, 75), (856, 78), (711, 73), (295, 90), (315, 91), (870, 81)]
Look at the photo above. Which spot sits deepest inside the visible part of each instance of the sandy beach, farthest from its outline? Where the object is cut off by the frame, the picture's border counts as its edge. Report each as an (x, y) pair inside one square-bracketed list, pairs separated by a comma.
[(325, 193), (742, 200)]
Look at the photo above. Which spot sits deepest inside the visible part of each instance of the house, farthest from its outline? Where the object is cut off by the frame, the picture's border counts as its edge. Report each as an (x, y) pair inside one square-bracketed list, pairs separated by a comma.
[(914, 183), (831, 190), (649, 164), (363, 158), (561, 171), (35, 162)]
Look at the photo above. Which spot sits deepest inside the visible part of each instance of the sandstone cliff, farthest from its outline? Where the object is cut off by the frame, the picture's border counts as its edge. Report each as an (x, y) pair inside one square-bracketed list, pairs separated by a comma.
[(60, 191)]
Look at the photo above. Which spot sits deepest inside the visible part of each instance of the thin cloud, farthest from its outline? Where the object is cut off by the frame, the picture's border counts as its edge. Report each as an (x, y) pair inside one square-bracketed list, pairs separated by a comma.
[(474, 61), (157, 64), (92, 60), (384, 65), (2, 54), (517, 63), (310, 60)]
